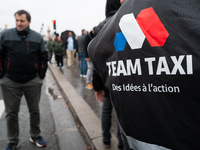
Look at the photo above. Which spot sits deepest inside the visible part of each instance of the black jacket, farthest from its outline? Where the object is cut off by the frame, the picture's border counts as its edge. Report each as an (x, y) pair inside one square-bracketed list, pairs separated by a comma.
[(81, 43), (22, 55), (149, 59), (111, 8), (88, 38)]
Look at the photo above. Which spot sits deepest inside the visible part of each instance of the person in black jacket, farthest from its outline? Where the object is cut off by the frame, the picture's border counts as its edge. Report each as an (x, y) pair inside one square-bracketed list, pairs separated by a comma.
[(148, 58), (23, 64), (101, 92), (81, 52)]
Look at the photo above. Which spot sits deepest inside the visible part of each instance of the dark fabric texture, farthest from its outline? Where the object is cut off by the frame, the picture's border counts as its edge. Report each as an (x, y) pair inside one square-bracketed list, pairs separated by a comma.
[(81, 44), (23, 55), (111, 7), (158, 102), (88, 38)]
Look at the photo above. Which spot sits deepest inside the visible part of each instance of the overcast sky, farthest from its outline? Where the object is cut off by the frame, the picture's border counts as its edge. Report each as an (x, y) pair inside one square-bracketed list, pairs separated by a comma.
[(69, 14)]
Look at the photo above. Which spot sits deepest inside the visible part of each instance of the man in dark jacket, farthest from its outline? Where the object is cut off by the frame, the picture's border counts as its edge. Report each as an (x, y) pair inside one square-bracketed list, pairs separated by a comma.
[(81, 52), (148, 58), (101, 92), (23, 64)]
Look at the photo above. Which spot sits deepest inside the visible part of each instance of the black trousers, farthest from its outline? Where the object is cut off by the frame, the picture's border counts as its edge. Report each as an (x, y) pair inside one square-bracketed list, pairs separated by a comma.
[(50, 53), (59, 59)]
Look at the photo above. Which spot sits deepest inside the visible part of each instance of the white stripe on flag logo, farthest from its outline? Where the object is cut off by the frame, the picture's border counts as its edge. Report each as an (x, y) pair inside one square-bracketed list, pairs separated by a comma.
[(146, 25), (132, 31)]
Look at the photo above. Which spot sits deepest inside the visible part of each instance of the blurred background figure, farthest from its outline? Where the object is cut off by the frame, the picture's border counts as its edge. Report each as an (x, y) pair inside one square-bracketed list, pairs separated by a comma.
[(50, 47), (88, 38), (81, 51), (59, 51), (71, 45)]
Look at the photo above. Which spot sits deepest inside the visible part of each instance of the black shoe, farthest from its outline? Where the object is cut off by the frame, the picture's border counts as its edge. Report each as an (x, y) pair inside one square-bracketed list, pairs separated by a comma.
[(106, 143), (120, 147)]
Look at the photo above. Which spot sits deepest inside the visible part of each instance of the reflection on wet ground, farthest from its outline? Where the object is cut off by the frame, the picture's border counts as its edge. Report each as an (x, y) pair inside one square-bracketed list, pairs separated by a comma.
[(73, 76)]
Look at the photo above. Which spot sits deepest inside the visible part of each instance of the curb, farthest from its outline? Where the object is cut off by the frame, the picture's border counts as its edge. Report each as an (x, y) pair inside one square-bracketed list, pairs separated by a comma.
[(90, 124)]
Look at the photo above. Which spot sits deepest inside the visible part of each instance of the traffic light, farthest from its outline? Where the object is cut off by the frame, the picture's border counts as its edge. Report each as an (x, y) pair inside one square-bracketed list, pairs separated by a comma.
[(54, 24)]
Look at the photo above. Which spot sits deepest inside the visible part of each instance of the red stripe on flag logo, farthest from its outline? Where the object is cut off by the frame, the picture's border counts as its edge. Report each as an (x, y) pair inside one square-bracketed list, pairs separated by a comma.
[(152, 27)]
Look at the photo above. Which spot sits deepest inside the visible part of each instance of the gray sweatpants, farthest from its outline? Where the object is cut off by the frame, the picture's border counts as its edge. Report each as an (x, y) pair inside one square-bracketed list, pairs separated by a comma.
[(89, 72), (12, 93)]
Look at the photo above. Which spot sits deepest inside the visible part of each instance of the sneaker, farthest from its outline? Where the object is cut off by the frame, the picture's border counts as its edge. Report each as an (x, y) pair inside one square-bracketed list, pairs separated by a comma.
[(84, 76), (12, 146), (106, 143), (81, 75), (89, 86), (38, 141)]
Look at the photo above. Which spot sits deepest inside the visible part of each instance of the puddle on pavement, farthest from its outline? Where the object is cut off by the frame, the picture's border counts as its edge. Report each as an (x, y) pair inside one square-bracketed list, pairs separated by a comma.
[(53, 94)]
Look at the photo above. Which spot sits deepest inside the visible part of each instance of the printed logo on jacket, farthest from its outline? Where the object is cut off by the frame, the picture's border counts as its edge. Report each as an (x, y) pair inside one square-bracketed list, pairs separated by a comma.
[(134, 31)]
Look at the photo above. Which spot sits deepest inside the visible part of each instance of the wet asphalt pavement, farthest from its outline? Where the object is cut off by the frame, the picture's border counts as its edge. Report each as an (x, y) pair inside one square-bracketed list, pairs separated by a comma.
[(58, 126), (47, 124), (79, 83)]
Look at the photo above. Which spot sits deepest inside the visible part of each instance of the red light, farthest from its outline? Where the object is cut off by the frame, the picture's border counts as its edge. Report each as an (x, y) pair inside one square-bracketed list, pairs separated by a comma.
[(54, 21)]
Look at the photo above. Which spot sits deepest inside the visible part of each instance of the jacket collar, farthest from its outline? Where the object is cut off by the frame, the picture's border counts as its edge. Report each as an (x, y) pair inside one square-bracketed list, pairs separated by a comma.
[(24, 32)]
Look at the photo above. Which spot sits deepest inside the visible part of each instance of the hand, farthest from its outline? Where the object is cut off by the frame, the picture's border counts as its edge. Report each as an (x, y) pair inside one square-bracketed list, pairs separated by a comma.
[(99, 95), (87, 59)]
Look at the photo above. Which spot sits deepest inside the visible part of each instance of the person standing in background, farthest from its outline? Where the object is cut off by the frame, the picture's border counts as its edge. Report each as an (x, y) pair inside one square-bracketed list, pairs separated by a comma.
[(50, 47), (71, 45), (81, 52), (59, 51)]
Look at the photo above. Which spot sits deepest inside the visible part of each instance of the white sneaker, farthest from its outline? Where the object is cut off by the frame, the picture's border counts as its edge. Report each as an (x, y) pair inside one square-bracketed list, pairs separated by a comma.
[(81, 75)]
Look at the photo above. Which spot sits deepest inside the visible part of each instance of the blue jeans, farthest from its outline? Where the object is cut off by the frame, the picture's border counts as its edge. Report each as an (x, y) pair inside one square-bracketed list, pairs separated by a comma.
[(106, 120), (83, 65)]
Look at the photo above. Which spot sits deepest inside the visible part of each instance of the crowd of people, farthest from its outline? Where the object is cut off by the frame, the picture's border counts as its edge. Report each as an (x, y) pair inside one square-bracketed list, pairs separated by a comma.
[(93, 80), (69, 48)]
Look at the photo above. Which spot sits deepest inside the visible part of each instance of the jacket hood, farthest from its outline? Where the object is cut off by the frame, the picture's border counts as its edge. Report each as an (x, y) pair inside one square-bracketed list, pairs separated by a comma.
[(111, 7)]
